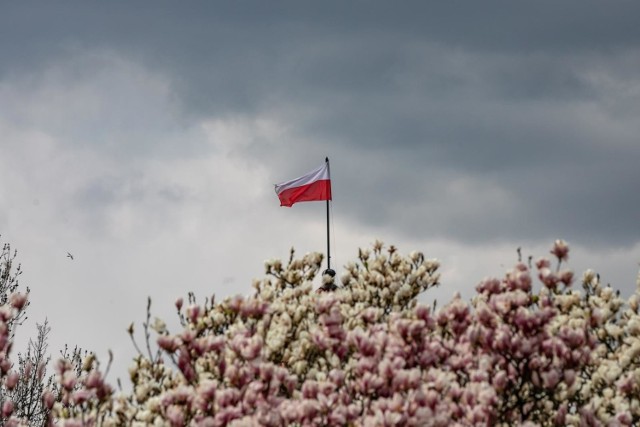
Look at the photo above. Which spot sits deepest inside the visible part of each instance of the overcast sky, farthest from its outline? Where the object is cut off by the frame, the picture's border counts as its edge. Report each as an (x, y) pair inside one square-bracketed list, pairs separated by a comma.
[(145, 138)]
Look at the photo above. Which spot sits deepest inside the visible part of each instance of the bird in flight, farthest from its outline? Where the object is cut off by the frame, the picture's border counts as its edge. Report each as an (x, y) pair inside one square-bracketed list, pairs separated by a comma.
[(69, 255)]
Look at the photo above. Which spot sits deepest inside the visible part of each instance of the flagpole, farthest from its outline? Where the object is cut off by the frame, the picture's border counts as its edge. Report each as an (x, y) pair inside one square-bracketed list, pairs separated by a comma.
[(328, 240)]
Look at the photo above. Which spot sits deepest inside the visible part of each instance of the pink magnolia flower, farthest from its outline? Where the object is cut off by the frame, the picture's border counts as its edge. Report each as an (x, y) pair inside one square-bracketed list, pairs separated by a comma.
[(543, 263), (7, 408), (12, 380), (168, 343), (175, 416), (18, 300), (80, 396), (560, 250), (48, 399), (193, 312), (68, 380)]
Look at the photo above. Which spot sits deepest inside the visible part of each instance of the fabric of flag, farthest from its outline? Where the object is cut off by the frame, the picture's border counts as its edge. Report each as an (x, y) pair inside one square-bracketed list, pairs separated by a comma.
[(314, 186)]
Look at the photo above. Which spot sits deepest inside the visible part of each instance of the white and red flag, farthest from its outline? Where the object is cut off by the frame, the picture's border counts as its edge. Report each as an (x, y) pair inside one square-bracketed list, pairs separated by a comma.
[(316, 185)]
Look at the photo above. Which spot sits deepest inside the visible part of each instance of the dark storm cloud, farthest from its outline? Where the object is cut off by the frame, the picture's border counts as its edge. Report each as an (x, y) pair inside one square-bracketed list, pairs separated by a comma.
[(472, 121)]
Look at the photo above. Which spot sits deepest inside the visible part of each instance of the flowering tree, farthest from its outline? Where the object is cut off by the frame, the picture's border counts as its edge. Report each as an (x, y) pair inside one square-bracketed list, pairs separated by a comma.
[(27, 392), (368, 354), (30, 370), (21, 384)]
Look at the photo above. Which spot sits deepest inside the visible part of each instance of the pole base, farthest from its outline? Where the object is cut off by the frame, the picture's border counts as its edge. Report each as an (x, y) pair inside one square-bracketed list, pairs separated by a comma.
[(330, 272)]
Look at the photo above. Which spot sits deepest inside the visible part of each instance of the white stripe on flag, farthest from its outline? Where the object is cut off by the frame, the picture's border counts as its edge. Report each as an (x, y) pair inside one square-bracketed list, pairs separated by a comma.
[(316, 175)]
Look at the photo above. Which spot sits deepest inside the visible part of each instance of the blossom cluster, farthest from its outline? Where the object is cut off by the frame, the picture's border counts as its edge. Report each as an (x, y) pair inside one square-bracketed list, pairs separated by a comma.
[(9, 377), (527, 349)]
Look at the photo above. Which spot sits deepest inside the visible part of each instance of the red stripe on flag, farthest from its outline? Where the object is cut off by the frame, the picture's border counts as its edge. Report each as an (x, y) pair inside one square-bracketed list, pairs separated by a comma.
[(317, 190)]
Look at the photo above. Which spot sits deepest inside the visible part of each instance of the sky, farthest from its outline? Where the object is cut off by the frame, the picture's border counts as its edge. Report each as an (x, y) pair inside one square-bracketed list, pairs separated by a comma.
[(145, 139)]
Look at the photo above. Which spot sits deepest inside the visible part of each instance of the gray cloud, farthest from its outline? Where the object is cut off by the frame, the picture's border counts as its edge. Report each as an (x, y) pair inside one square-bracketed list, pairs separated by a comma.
[(533, 102)]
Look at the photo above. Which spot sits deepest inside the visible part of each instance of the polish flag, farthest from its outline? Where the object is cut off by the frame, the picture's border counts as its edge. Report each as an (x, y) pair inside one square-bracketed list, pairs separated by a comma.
[(316, 185)]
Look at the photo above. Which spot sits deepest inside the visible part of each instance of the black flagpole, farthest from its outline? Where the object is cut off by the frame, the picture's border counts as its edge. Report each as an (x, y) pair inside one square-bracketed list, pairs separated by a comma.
[(329, 286), (328, 247)]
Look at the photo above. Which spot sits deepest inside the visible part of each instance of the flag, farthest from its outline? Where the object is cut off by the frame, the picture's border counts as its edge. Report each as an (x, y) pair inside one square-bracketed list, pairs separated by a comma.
[(316, 185)]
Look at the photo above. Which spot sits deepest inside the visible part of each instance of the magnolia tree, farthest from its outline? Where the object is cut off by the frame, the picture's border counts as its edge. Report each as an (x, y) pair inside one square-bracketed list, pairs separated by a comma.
[(22, 380), (526, 349), (27, 392)]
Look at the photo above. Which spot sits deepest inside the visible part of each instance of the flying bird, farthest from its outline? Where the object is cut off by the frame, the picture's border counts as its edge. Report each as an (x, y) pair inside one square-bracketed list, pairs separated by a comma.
[(69, 255)]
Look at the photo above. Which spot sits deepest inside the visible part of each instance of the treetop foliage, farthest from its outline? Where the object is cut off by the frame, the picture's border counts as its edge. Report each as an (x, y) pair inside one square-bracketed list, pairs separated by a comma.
[(527, 349)]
